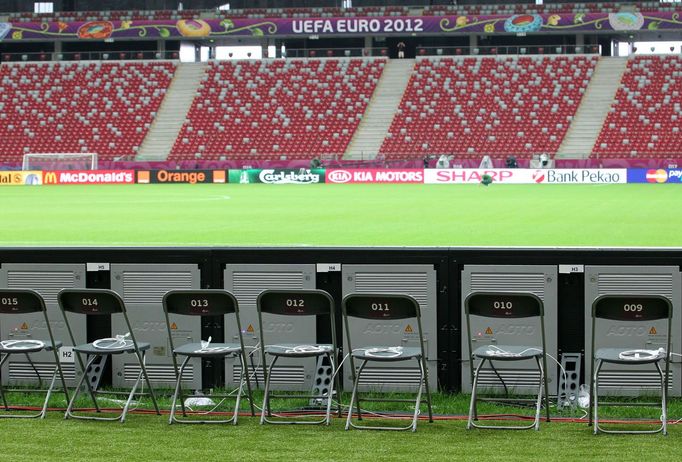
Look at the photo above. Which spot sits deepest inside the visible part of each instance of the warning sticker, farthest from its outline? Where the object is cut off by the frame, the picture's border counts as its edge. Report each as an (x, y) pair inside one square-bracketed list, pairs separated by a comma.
[(652, 331), (24, 326), (174, 326), (408, 329), (489, 331), (250, 329)]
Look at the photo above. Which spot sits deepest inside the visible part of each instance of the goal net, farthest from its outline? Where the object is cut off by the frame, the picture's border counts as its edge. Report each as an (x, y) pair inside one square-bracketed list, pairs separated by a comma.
[(60, 161)]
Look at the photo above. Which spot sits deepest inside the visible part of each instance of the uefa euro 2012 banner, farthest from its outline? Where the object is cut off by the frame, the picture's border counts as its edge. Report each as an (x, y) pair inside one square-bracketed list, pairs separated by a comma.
[(341, 26), (278, 176)]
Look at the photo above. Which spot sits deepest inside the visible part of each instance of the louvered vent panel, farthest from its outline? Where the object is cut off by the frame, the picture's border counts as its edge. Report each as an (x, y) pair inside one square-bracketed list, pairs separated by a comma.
[(150, 287), (281, 375), (641, 284), (412, 284), (46, 283), (247, 284), (24, 371), (511, 377), (635, 380), (394, 376), (158, 373), (514, 282)]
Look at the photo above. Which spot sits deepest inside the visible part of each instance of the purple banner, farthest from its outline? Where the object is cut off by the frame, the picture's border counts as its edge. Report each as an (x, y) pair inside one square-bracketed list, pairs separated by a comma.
[(386, 25)]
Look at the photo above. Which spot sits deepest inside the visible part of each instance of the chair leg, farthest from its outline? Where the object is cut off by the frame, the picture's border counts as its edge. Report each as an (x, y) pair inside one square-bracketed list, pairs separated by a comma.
[(428, 389), (49, 392), (177, 393), (58, 364), (84, 370), (544, 376), (330, 394), (472, 405), (246, 374), (242, 377), (595, 394), (131, 395), (417, 402), (664, 400), (354, 401), (266, 395), (83, 379), (3, 358), (140, 359), (538, 404)]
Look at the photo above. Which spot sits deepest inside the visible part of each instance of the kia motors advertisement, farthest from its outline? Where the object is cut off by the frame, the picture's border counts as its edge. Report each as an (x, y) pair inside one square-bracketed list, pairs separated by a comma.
[(89, 177), (375, 176)]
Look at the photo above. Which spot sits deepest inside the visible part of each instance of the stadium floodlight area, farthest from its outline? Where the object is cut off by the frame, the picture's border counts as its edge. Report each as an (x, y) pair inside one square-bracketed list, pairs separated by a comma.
[(60, 161)]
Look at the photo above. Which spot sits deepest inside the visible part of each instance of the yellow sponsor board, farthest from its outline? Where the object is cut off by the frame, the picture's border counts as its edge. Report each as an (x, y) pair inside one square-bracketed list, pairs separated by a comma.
[(14, 178)]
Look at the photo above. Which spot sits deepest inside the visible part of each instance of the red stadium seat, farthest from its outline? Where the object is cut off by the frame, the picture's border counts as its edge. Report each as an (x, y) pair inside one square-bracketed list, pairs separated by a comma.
[(293, 109), (646, 116), (497, 106), (104, 107)]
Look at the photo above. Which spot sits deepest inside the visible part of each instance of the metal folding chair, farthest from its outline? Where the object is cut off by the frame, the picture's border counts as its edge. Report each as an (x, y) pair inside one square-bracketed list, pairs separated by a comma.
[(626, 309), (297, 303), (98, 302), (507, 305), (385, 307), (19, 302), (208, 302)]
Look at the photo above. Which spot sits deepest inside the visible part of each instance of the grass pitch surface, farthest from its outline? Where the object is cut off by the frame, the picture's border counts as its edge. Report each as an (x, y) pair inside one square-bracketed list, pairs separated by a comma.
[(626, 215), (150, 438)]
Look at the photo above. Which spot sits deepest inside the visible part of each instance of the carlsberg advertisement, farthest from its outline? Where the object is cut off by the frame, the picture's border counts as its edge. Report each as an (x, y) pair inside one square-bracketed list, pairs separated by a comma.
[(278, 176)]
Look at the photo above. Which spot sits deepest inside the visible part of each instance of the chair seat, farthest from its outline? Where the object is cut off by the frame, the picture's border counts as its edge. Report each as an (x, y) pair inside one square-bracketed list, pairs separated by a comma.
[(33, 349), (516, 352), (386, 353), (90, 349), (612, 355), (298, 350), (213, 349)]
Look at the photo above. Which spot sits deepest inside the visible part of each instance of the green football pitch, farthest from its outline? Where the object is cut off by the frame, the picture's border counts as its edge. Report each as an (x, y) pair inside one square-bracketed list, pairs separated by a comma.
[(625, 215)]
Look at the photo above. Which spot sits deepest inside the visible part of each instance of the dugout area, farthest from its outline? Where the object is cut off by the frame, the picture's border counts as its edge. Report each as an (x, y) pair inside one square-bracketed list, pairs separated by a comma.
[(438, 278)]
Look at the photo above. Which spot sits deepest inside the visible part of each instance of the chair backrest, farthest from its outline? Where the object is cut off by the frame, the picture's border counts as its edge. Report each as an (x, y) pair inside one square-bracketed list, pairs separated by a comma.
[(91, 301), (503, 305), (380, 306), (295, 302), (94, 302), (205, 302), (311, 302), (632, 307), (20, 301)]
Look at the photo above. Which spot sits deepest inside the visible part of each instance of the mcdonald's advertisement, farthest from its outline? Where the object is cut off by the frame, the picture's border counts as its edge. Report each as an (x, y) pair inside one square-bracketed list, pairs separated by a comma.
[(89, 177)]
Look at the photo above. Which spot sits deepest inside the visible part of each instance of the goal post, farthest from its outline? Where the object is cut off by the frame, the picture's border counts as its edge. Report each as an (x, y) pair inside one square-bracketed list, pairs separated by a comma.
[(60, 161)]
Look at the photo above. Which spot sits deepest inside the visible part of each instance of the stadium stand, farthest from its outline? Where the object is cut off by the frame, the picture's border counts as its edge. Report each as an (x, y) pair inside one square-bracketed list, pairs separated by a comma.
[(100, 107), (277, 109), (488, 105), (646, 116)]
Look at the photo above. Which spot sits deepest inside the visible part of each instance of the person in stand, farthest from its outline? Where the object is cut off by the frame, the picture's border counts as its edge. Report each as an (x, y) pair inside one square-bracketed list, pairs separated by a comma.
[(401, 49), (544, 160)]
